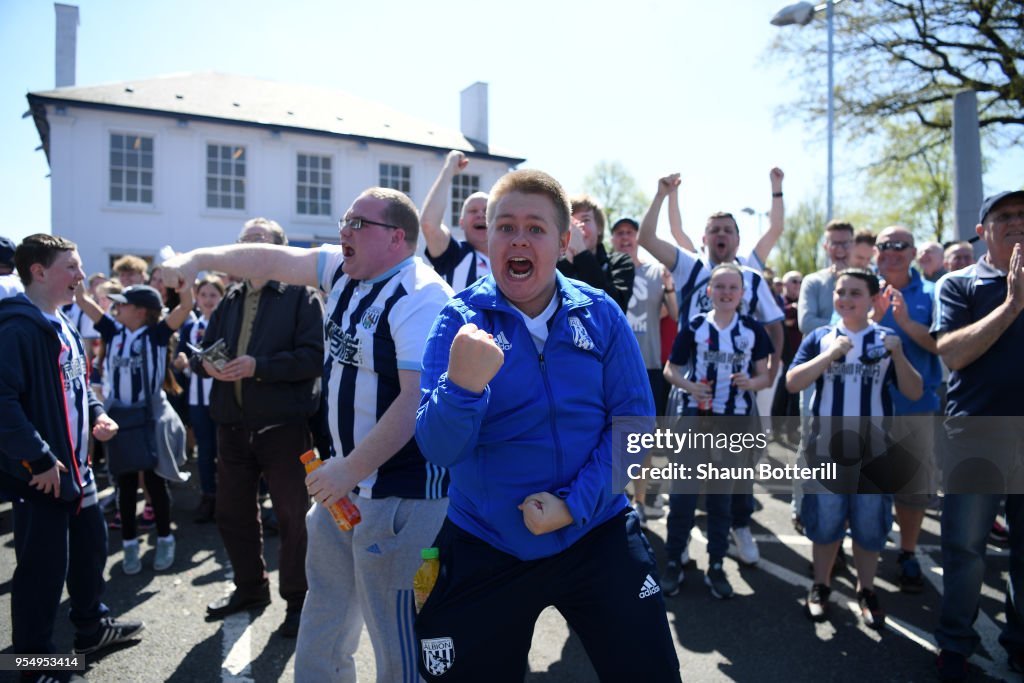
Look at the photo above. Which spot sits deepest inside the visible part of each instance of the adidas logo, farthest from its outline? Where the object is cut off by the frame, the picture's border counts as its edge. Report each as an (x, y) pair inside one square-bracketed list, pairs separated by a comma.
[(650, 588), (502, 342), (375, 549)]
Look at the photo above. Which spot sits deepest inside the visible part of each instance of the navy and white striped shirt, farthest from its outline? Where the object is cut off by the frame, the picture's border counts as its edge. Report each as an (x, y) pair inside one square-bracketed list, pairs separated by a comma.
[(460, 265), (857, 385), (123, 369), (691, 275), (372, 329), (74, 370), (198, 387), (714, 354)]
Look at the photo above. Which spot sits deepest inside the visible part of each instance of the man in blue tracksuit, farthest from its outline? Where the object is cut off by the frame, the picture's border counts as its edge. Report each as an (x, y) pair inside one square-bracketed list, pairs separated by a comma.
[(523, 373), (48, 413)]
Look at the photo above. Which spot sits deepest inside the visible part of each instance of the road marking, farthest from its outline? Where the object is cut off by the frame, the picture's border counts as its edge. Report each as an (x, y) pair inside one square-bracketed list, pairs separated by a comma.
[(236, 645)]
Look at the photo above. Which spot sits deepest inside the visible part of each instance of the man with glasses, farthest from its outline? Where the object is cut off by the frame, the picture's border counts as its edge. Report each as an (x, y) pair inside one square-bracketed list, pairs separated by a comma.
[(906, 306), (980, 333), (261, 402), (381, 304)]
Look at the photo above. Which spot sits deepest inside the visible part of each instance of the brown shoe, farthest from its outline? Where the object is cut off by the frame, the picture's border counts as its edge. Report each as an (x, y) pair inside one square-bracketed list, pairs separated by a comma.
[(205, 510)]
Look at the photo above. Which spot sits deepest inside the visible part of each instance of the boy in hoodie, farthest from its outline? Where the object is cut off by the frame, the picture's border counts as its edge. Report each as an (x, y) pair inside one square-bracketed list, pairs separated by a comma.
[(48, 409)]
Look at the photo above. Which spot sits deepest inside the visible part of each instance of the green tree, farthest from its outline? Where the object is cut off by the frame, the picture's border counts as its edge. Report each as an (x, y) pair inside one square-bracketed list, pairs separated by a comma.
[(799, 247), (903, 60), (612, 185)]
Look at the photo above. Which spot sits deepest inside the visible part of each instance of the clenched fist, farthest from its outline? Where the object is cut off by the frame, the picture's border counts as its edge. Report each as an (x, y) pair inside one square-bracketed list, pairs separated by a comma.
[(474, 359)]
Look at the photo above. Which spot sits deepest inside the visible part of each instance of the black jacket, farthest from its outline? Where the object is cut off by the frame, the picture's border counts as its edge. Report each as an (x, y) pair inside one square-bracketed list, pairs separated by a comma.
[(614, 274), (33, 415), (287, 343)]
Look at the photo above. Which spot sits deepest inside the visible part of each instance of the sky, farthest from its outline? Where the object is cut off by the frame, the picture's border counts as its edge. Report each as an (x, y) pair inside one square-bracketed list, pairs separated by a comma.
[(660, 85)]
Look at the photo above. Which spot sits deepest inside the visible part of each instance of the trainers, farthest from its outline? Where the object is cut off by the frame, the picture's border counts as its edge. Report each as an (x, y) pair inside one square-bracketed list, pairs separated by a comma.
[(673, 579), (205, 510), (654, 511), (911, 579), (817, 602), (131, 564), (289, 628), (115, 523), (951, 666), (746, 546), (999, 535), (641, 514), (148, 518), (870, 609), (109, 633), (164, 553), (715, 580), (798, 524)]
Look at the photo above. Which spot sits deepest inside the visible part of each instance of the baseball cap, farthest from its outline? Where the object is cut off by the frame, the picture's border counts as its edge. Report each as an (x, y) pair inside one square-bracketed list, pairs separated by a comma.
[(990, 202), (143, 296), (7, 247), (628, 221)]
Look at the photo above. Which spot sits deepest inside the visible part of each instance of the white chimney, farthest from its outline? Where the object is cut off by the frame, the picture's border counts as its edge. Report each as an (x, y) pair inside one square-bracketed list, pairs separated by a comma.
[(67, 43), (474, 112)]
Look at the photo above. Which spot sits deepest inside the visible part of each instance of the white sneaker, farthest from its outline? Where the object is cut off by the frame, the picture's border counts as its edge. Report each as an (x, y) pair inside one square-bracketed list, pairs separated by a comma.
[(132, 564), (164, 553), (746, 546)]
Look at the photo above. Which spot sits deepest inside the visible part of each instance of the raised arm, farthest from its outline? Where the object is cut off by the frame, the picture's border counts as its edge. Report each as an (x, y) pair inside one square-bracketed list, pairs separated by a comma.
[(675, 220), (776, 219), (290, 265), (647, 237), (88, 305), (179, 315), (435, 232)]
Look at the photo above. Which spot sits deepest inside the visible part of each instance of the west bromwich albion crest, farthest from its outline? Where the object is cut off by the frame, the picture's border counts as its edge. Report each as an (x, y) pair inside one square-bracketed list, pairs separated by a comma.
[(579, 334), (438, 655), (371, 317)]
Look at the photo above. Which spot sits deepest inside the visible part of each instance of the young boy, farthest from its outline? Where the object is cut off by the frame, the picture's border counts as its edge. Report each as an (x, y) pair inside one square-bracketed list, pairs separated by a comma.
[(851, 365), (718, 360), (522, 375)]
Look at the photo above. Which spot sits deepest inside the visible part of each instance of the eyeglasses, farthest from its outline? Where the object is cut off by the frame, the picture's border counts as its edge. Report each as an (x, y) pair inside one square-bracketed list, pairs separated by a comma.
[(893, 245), (355, 223), (1003, 218), (842, 245)]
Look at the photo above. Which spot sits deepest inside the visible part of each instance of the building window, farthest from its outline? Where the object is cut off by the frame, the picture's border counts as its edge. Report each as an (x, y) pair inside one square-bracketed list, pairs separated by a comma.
[(131, 169), (462, 187), (396, 176), (313, 186), (225, 177)]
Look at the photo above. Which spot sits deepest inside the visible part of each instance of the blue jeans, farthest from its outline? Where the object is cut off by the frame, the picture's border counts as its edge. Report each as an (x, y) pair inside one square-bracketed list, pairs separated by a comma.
[(205, 430), (680, 521), (966, 522)]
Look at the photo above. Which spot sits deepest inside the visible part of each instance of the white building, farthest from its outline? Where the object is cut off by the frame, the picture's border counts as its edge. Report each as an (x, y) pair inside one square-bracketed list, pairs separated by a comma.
[(185, 159)]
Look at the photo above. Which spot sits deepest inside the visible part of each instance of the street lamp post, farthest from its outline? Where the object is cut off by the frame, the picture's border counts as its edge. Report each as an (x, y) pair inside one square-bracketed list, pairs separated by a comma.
[(802, 13)]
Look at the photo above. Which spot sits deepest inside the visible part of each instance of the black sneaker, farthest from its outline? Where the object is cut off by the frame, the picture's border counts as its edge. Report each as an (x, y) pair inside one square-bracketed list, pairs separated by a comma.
[(870, 609), (289, 628), (673, 579), (109, 633), (817, 602), (716, 580), (911, 578), (951, 666)]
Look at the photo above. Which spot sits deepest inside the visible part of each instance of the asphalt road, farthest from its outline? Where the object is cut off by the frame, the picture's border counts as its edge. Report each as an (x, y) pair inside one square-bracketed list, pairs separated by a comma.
[(760, 635)]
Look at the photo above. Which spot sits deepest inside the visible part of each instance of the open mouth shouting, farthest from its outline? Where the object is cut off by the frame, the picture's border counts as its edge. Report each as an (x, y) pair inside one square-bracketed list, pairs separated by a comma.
[(520, 268)]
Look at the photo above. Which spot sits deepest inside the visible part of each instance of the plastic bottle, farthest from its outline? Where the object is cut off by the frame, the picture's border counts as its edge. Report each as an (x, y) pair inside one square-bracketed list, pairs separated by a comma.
[(706, 404), (345, 512), (426, 576)]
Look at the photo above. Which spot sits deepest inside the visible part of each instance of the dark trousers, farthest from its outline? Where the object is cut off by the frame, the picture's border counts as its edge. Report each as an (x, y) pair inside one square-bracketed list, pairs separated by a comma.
[(205, 430), (128, 493), (55, 542), (242, 456), (478, 623)]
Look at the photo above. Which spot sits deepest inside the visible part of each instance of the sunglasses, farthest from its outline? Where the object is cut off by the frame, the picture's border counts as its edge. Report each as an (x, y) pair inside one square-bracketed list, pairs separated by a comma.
[(893, 245), (357, 224)]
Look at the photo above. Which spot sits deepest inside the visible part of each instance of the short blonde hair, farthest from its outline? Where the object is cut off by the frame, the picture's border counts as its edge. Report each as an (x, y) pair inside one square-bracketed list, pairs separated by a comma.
[(531, 181)]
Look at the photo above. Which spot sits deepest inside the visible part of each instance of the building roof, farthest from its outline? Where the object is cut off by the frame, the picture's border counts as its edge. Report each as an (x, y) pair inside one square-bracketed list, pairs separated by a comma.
[(242, 100)]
